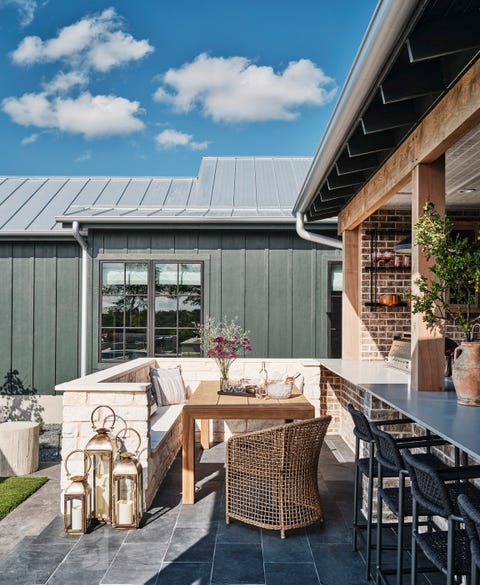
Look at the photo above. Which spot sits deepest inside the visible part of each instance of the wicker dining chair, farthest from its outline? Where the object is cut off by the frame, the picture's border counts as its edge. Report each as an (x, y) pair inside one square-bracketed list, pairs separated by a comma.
[(271, 475)]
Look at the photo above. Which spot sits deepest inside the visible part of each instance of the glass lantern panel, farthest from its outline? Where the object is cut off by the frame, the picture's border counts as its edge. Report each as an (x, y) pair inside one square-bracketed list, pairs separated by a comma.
[(75, 514), (125, 501), (101, 485)]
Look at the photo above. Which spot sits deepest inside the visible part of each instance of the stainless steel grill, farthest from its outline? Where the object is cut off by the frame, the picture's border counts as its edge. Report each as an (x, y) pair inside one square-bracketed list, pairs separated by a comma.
[(399, 356)]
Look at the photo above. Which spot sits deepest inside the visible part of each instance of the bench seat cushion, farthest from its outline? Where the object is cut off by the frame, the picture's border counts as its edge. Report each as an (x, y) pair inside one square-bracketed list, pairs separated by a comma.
[(161, 422)]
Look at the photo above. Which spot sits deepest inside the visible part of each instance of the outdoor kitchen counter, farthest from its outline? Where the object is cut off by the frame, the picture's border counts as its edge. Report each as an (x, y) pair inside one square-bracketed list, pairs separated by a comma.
[(363, 372), (437, 411)]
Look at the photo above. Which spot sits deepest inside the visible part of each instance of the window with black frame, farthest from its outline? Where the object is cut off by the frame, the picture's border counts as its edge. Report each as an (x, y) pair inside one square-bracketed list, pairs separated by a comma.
[(149, 309)]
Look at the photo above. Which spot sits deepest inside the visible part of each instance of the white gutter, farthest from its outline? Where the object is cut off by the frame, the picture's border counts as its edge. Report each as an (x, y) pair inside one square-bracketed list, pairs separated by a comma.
[(84, 298), (312, 237), (384, 31)]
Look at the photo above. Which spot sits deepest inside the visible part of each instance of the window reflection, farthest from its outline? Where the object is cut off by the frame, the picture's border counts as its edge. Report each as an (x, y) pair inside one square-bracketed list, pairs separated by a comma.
[(131, 326)]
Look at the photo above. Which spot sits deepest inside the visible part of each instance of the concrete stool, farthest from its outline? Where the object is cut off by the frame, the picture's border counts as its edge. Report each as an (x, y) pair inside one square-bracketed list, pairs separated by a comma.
[(19, 449)]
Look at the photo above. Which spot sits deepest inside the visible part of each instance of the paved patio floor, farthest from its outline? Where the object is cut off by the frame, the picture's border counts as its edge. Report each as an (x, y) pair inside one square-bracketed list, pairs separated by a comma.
[(192, 545)]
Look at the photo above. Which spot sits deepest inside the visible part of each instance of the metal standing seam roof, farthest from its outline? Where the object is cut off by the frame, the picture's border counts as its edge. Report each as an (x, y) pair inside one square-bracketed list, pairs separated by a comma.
[(227, 189)]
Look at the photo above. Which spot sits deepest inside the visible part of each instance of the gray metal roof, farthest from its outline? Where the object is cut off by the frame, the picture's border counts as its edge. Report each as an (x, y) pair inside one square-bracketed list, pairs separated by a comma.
[(227, 189)]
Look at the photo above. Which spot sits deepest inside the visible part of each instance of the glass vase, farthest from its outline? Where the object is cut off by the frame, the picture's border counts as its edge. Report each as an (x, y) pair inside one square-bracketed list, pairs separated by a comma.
[(223, 380)]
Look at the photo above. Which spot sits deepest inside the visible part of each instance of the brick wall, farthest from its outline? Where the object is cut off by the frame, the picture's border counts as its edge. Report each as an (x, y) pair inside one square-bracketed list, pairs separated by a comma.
[(380, 324)]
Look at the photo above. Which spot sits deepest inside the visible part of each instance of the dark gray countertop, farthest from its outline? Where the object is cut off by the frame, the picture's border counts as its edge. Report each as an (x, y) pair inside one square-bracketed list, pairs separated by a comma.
[(437, 411)]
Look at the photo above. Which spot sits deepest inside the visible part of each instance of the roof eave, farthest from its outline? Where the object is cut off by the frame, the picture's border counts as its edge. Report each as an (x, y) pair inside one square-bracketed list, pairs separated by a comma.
[(384, 31)]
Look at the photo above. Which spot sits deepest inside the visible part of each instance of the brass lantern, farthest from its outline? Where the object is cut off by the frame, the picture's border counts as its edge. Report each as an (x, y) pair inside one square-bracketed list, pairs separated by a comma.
[(100, 449), (76, 498), (127, 485)]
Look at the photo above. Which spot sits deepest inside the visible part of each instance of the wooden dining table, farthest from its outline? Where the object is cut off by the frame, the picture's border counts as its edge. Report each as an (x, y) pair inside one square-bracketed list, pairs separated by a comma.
[(206, 404)]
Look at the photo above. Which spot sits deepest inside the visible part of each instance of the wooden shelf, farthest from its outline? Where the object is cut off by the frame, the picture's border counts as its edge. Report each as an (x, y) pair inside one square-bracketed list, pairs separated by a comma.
[(400, 304), (373, 268)]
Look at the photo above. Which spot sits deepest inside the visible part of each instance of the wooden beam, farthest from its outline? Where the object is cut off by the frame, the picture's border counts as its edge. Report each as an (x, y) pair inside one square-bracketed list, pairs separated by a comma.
[(456, 113), (428, 345), (351, 296)]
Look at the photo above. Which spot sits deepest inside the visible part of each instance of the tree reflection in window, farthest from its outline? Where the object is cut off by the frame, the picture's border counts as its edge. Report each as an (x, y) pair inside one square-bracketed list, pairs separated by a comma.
[(132, 325)]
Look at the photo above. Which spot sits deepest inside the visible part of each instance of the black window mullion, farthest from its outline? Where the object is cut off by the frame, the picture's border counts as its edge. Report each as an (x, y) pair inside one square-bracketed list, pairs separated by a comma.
[(151, 309)]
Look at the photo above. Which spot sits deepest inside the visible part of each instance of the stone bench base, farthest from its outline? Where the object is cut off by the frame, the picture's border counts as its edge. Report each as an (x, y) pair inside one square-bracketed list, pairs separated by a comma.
[(165, 442)]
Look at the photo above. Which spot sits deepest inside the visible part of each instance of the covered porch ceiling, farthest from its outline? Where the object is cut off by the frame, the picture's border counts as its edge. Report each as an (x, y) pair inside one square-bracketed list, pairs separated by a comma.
[(437, 44)]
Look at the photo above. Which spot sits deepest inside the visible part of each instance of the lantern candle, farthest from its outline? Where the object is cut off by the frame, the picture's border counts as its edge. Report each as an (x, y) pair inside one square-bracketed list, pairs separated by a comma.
[(77, 516), (124, 512)]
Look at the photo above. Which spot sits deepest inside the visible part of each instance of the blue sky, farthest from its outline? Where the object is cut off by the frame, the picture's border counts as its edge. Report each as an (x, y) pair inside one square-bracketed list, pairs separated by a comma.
[(148, 87)]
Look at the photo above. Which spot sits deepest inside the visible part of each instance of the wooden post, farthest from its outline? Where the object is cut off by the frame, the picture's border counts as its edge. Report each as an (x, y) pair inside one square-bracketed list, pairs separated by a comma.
[(428, 345), (351, 297)]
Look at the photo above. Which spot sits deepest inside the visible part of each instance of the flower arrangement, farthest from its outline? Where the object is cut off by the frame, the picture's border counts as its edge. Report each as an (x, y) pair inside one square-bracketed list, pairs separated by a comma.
[(222, 341)]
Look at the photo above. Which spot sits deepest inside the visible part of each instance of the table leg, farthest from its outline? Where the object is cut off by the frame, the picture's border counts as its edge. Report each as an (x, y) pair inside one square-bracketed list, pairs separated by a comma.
[(205, 433), (188, 458)]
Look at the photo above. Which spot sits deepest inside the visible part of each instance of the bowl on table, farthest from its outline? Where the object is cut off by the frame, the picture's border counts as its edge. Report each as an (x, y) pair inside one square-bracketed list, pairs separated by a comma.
[(279, 389)]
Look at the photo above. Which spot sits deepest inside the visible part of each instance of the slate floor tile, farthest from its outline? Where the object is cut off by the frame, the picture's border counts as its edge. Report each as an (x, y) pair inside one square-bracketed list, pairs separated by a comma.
[(191, 545), (159, 530), (34, 561), (293, 549), (291, 574), (236, 565), (238, 532), (337, 564), (69, 573), (185, 574)]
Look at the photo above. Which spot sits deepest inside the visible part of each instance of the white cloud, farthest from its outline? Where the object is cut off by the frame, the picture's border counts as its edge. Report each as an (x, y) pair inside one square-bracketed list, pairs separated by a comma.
[(26, 9), (83, 157), (236, 90), (92, 116), (64, 82), (169, 139), (30, 139), (94, 42)]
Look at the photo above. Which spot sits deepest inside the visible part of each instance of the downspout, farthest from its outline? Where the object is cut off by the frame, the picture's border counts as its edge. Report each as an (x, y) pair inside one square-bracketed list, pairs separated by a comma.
[(312, 237), (83, 299)]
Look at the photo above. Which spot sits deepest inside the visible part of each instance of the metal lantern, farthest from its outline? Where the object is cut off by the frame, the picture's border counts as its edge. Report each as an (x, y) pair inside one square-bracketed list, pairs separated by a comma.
[(127, 485), (100, 449), (77, 499)]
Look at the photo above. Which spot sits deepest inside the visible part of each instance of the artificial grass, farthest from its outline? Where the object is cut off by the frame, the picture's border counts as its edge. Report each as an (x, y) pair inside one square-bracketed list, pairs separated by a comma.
[(15, 490)]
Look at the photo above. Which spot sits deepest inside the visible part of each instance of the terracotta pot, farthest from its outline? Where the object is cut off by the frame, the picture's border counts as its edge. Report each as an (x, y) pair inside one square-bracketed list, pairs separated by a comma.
[(466, 373), (389, 300)]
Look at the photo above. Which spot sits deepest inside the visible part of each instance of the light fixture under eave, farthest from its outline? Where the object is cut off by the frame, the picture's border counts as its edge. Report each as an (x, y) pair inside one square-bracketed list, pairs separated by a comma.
[(404, 246), (467, 190)]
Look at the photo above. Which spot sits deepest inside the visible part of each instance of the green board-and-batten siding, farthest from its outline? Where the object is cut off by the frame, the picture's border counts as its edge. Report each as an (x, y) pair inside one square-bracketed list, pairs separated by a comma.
[(273, 281), (39, 315)]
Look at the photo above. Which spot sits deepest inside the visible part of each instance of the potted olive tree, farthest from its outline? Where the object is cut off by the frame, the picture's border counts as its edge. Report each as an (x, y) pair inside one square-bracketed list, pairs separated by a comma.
[(450, 294)]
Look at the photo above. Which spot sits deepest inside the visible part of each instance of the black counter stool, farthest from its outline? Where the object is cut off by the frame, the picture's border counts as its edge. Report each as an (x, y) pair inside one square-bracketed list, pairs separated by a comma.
[(397, 499), (437, 491), (366, 466), (471, 516)]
